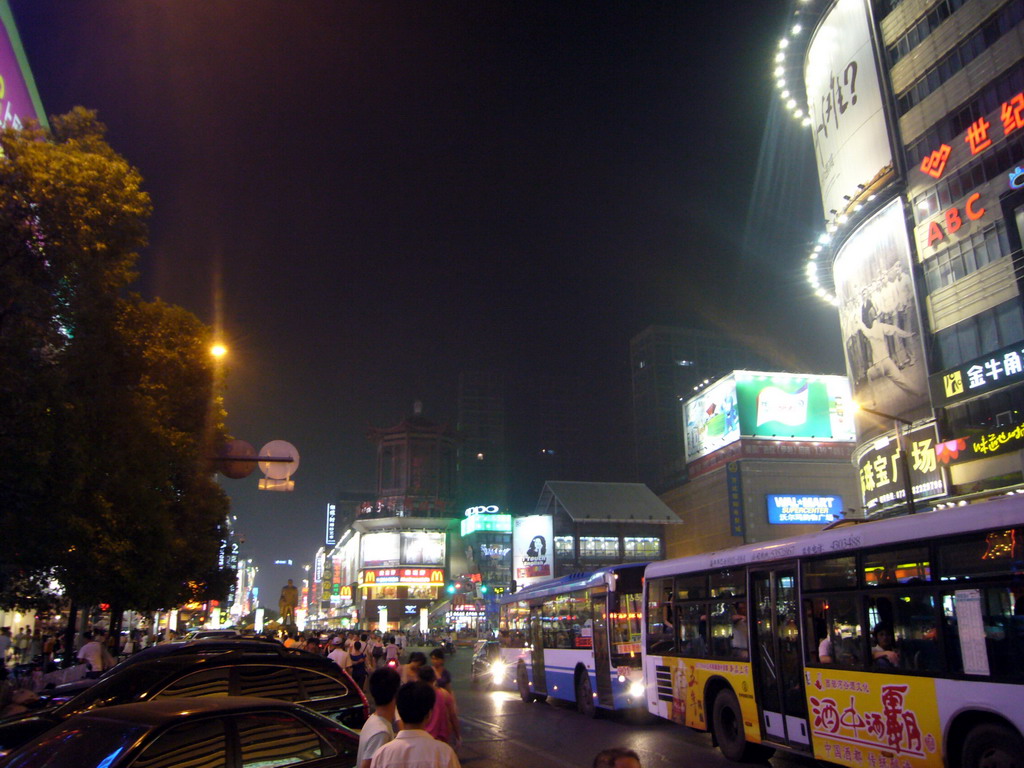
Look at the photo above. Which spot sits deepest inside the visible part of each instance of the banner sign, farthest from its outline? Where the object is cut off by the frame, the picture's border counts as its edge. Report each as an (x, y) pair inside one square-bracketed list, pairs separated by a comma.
[(533, 553), (880, 468), (404, 577), (991, 443), (979, 376), (329, 537)]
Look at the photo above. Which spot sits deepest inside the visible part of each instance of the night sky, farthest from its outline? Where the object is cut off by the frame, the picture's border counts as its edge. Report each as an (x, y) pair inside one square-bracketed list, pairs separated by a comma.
[(371, 197)]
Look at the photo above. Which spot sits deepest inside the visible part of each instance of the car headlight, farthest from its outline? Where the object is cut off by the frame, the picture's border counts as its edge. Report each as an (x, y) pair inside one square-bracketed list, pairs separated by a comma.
[(636, 689), (498, 670)]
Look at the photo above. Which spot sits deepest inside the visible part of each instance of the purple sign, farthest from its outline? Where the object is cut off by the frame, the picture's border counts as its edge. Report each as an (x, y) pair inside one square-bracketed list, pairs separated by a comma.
[(16, 87)]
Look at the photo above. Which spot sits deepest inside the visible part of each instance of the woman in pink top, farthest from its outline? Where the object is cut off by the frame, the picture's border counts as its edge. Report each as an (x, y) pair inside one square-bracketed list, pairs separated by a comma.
[(443, 722)]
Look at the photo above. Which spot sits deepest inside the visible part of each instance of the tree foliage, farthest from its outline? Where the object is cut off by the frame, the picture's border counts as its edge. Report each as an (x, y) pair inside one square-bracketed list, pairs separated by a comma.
[(107, 402)]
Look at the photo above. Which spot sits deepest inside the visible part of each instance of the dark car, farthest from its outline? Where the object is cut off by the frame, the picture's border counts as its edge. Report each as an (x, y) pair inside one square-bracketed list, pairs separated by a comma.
[(197, 648), (488, 666), (200, 733), (313, 681)]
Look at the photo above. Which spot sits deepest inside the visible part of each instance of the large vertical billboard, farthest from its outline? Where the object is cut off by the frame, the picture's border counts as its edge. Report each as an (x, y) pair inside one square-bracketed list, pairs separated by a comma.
[(19, 100), (844, 96), (878, 316), (768, 405), (533, 551)]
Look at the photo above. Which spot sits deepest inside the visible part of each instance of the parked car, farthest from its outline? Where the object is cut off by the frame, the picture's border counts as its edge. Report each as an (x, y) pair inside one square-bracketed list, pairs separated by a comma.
[(303, 678), (197, 648), (207, 634), (488, 667), (172, 732)]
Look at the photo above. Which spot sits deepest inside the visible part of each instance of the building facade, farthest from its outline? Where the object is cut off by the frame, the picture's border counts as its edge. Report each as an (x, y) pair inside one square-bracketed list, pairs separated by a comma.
[(916, 111)]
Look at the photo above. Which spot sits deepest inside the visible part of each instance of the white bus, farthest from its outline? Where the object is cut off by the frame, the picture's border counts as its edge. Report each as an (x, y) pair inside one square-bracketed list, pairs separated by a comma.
[(890, 644), (577, 638)]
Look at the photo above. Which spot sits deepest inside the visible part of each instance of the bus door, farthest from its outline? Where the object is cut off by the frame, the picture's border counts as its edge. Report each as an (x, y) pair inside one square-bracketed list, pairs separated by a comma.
[(540, 682), (776, 656), (602, 653)]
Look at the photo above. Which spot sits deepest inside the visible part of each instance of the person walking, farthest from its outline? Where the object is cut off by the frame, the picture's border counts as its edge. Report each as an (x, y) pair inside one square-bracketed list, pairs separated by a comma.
[(378, 730), (339, 655), (94, 653), (410, 671), (357, 655), (413, 747), (443, 723), (444, 677)]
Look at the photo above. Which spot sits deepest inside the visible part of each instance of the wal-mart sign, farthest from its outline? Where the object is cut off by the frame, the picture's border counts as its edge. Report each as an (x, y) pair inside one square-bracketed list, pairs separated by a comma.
[(803, 508)]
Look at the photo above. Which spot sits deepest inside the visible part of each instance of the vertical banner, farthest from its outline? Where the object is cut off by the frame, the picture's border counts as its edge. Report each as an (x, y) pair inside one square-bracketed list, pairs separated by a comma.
[(734, 486), (533, 549), (382, 620)]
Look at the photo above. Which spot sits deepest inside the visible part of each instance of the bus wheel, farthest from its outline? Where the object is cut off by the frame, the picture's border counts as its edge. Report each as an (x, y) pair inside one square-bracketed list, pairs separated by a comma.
[(993, 746), (727, 722), (523, 682), (585, 696)]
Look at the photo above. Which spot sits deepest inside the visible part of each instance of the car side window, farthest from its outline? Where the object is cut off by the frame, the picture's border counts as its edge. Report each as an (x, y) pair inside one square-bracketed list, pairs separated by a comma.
[(319, 686), (198, 745), (268, 681), (272, 739), (206, 682)]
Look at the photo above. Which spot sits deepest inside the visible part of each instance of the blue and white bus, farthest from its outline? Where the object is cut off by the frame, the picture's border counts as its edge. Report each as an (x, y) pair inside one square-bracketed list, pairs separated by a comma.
[(578, 638)]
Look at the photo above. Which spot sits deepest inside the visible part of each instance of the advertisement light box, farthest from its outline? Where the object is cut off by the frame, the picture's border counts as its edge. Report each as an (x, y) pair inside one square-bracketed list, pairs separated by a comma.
[(495, 523), (768, 405), (802, 508)]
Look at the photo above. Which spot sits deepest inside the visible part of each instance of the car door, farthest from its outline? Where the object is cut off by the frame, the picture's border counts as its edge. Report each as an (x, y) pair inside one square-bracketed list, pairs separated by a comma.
[(272, 739)]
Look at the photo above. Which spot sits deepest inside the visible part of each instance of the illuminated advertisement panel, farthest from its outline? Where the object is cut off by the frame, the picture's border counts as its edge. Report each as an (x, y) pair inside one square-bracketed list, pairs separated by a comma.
[(402, 577), (795, 407), (878, 318), (802, 508), (881, 469), (422, 548), (532, 549), (19, 100), (844, 96), (768, 405), (711, 419), (384, 548)]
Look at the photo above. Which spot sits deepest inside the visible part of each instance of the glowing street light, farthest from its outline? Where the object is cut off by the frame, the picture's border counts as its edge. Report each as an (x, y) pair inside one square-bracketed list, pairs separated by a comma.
[(218, 350)]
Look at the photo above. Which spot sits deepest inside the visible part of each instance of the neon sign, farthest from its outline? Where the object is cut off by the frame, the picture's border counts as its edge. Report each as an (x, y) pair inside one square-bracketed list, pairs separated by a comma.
[(978, 136), (954, 221)]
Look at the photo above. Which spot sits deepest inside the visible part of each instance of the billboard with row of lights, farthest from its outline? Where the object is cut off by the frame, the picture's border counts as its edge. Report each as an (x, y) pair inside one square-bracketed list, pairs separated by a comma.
[(753, 404)]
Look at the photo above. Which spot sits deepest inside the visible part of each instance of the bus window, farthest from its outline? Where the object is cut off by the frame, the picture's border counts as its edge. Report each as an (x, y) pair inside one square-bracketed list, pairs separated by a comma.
[(693, 623), (915, 627), (897, 566), (843, 642), (692, 587), (660, 629), (1002, 626), (830, 573), (993, 553), (581, 620), (726, 583), (721, 629)]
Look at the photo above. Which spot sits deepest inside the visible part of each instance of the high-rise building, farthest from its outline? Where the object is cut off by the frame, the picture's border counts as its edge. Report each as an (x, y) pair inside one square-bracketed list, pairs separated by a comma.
[(482, 464), (667, 363), (916, 111)]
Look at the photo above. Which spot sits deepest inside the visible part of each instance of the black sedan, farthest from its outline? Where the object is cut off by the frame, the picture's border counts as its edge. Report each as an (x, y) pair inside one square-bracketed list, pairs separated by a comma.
[(222, 732), (314, 681)]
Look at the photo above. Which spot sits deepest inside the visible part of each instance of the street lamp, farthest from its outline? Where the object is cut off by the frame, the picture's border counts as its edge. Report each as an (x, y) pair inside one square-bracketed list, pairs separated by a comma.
[(908, 485)]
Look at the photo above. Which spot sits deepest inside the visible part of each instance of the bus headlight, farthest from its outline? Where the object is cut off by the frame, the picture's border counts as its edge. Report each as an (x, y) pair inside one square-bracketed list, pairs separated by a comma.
[(497, 670), (636, 689)]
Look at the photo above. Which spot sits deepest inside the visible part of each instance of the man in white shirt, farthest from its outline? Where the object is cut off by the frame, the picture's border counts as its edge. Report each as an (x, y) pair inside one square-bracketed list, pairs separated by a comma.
[(378, 730), (339, 655), (94, 653), (413, 747)]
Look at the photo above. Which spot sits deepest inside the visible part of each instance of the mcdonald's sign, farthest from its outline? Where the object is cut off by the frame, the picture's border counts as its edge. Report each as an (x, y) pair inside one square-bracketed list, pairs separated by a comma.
[(402, 577)]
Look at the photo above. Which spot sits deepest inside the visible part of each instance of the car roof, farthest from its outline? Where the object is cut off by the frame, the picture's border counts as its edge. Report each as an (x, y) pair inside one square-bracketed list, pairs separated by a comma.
[(160, 711)]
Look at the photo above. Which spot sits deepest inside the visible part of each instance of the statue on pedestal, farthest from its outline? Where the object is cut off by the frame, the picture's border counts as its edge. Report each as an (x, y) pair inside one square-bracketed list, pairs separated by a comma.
[(287, 603)]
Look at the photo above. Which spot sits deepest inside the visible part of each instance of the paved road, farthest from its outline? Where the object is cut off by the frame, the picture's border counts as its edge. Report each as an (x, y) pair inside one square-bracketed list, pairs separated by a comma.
[(501, 731)]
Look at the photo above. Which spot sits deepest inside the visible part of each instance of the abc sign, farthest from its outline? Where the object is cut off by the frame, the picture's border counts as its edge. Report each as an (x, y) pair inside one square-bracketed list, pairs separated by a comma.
[(488, 510)]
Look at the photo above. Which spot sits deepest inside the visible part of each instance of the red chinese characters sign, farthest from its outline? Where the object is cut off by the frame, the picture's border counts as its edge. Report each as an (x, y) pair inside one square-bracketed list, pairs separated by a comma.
[(876, 722), (978, 137)]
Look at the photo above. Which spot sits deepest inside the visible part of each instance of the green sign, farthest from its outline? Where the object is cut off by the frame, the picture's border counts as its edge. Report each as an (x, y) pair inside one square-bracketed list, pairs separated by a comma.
[(494, 523)]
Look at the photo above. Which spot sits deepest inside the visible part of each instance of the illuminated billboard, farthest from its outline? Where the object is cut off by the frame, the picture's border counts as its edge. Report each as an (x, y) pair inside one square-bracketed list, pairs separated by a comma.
[(754, 404), (844, 96), (422, 548), (878, 317), (382, 548), (802, 508), (19, 100), (881, 468), (532, 549)]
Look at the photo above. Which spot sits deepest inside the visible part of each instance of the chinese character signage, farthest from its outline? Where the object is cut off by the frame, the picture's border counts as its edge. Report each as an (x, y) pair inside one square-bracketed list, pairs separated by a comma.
[(532, 549), (992, 442), (768, 405), (403, 577), (803, 508), (881, 467), (329, 536), (734, 487), (878, 317), (984, 374), (844, 95)]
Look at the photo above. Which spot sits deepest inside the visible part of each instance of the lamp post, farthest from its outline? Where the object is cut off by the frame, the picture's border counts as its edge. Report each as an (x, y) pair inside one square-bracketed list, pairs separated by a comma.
[(908, 485)]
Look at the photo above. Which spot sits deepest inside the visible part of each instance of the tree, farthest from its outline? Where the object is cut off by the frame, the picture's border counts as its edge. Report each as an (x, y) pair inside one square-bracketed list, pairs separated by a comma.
[(107, 407)]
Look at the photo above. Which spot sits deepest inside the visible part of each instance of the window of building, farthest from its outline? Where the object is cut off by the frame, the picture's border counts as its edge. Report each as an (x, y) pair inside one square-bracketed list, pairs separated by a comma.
[(986, 332), (564, 546), (641, 548), (967, 256), (913, 36), (599, 546)]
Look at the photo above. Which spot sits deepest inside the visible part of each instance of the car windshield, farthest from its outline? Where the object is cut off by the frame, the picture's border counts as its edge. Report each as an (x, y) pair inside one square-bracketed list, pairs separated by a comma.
[(76, 743), (125, 687)]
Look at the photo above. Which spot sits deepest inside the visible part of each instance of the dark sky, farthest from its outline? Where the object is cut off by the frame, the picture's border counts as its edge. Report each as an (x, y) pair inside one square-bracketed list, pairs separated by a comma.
[(373, 196)]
